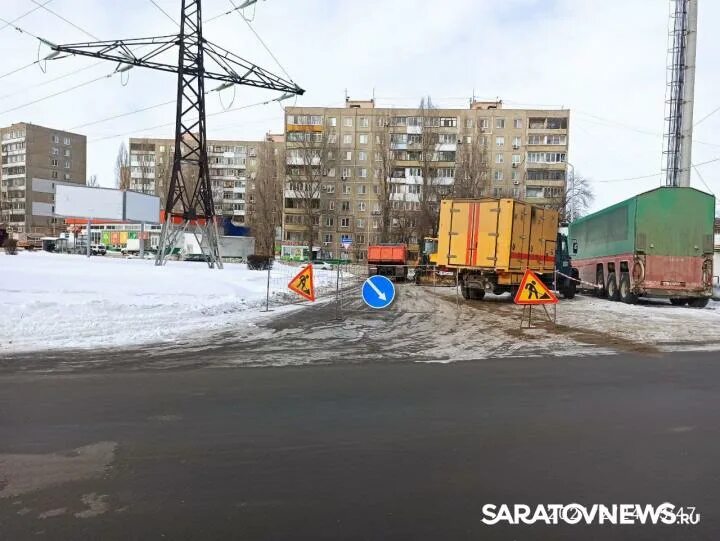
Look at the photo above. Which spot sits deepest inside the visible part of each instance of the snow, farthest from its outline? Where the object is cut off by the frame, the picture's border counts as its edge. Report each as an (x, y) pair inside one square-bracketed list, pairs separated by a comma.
[(54, 301)]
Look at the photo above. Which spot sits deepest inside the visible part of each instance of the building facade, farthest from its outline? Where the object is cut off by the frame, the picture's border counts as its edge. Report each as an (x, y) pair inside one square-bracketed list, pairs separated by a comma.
[(35, 152), (519, 153), (233, 167)]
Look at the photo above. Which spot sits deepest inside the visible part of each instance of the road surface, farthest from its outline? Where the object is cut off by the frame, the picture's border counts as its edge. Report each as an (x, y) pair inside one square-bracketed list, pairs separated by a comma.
[(351, 451)]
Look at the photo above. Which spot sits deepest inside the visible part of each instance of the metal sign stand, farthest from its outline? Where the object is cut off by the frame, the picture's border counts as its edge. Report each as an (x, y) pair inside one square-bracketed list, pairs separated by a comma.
[(528, 308)]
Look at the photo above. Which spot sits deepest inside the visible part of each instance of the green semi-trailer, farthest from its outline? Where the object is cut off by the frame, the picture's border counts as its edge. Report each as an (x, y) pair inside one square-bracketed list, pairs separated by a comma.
[(655, 244)]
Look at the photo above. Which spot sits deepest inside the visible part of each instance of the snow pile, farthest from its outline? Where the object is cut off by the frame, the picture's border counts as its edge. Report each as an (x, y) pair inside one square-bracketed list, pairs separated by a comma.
[(50, 301)]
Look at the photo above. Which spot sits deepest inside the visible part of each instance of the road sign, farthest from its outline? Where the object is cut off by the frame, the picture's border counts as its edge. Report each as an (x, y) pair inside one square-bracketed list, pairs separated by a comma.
[(533, 291), (346, 244), (378, 292), (303, 283)]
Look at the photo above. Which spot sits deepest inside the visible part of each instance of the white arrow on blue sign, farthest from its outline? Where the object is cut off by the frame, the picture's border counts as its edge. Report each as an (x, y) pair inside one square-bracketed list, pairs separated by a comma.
[(378, 292)]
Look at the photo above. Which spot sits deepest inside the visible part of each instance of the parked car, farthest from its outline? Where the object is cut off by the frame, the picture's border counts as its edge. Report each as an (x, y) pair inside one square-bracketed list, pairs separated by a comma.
[(98, 249), (320, 265)]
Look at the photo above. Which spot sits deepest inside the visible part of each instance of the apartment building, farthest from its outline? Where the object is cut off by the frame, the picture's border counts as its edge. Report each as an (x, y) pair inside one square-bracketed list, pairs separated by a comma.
[(35, 152), (233, 166), (524, 156)]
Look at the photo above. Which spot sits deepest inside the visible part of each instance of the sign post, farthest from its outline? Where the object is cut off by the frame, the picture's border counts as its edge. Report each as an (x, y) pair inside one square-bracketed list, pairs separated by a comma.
[(532, 291)]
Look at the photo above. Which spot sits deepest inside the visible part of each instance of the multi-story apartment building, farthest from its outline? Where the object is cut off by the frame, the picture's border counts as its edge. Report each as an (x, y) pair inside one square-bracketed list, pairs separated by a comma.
[(522, 154), (233, 166), (28, 152)]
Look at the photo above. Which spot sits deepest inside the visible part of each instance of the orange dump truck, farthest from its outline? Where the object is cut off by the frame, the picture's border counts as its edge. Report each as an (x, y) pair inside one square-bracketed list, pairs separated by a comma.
[(490, 243), (388, 260)]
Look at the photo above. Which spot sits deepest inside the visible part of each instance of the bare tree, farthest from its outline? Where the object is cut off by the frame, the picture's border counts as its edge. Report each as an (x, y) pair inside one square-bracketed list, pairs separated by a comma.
[(163, 171), (309, 155), (266, 198), (428, 196), (574, 200), (122, 168), (92, 182), (472, 170), (385, 160)]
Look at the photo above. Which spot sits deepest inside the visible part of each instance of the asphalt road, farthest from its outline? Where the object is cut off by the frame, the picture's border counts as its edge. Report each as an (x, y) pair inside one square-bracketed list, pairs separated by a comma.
[(358, 451)]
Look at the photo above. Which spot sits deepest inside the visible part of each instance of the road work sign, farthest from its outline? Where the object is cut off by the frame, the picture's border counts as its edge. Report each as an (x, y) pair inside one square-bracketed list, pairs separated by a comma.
[(533, 291), (378, 292), (303, 283)]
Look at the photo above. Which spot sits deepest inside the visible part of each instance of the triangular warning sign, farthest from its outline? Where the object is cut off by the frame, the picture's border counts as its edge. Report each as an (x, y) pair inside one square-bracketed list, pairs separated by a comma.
[(303, 283), (533, 291)]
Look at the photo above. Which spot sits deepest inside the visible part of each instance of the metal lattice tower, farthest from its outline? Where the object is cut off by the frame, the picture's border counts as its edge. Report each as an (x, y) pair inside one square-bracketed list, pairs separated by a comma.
[(679, 93), (189, 202)]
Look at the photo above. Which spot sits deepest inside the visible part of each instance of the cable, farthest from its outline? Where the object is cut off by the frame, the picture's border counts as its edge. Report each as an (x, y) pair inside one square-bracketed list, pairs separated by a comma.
[(19, 29), (23, 15), (625, 179), (711, 113), (121, 115), (702, 179), (164, 12), (65, 20), (57, 93), (16, 70), (237, 10), (24, 90)]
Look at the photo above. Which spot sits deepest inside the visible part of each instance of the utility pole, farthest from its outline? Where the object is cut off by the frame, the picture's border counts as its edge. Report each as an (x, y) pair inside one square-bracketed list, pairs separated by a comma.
[(189, 202), (680, 92)]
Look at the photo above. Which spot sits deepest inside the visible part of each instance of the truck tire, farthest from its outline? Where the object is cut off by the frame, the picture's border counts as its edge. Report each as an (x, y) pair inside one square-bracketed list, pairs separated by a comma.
[(569, 289), (613, 293), (626, 294), (477, 294), (698, 302), (600, 290), (465, 292), (678, 301)]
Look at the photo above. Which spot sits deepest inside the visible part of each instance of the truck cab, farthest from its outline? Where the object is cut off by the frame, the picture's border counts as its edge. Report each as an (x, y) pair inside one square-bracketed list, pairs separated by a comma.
[(566, 275)]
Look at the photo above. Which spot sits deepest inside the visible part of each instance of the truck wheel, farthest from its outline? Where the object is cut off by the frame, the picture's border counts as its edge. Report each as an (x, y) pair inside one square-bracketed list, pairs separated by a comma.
[(477, 294), (600, 289), (465, 291), (613, 292), (626, 294), (678, 302), (570, 289), (699, 302)]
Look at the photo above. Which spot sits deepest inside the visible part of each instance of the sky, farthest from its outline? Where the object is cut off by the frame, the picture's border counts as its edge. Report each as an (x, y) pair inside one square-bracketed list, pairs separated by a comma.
[(605, 61)]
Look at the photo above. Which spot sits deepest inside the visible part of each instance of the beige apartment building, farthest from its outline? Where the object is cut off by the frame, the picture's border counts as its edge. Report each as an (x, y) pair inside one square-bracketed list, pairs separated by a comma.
[(233, 166), (34, 152), (524, 155)]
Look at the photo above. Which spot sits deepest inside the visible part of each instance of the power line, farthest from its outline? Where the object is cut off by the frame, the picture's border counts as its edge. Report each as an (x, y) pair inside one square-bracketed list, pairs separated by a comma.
[(23, 90), (23, 15), (695, 165), (18, 28), (237, 10), (65, 20), (164, 12), (16, 70), (57, 93), (711, 113), (121, 115), (702, 179)]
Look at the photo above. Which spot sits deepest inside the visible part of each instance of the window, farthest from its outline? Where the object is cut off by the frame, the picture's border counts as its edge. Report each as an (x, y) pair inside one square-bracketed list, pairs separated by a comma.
[(447, 138), (66, 140), (331, 205), (555, 139), (546, 157), (346, 172), (346, 189), (483, 123), (516, 159), (412, 188), (448, 122), (329, 188), (517, 123), (516, 142), (348, 155), (497, 192), (557, 123), (516, 193), (362, 156), (331, 172), (363, 121), (413, 172), (347, 122), (545, 174), (515, 175), (67, 176), (500, 123), (344, 222), (53, 163), (499, 158), (347, 139), (361, 206), (54, 174), (500, 141), (363, 138), (345, 206), (498, 175), (362, 172), (332, 138), (56, 139), (468, 123), (536, 139), (362, 189), (67, 164), (468, 139), (378, 173), (533, 192), (361, 237), (328, 238), (332, 121)]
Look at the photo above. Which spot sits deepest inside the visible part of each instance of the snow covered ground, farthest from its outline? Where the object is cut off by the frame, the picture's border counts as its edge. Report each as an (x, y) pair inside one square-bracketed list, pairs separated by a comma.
[(51, 301)]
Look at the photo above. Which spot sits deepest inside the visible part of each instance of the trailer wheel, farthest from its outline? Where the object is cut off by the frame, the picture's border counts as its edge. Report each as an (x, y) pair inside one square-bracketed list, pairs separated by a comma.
[(698, 302), (600, 290), (613, 292), (626, 294), (678, 302)]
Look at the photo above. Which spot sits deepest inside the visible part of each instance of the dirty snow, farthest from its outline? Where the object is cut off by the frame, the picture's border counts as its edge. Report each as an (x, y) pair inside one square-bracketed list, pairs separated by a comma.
[(52, 301)]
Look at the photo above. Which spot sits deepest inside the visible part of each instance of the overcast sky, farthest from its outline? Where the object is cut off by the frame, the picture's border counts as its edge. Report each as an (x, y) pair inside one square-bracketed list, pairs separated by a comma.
[(603, 60)]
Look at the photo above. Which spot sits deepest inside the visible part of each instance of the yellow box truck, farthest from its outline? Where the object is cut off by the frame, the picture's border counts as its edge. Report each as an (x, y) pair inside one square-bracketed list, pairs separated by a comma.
[(492, 242)]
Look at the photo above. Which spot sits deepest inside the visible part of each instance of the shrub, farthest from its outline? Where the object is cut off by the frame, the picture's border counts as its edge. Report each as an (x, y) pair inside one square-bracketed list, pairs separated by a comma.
[(10, 246), (259, 262)]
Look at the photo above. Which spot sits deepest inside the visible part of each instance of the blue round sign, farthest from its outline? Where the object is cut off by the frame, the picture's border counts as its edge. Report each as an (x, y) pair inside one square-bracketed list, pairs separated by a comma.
[(378, 292)]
